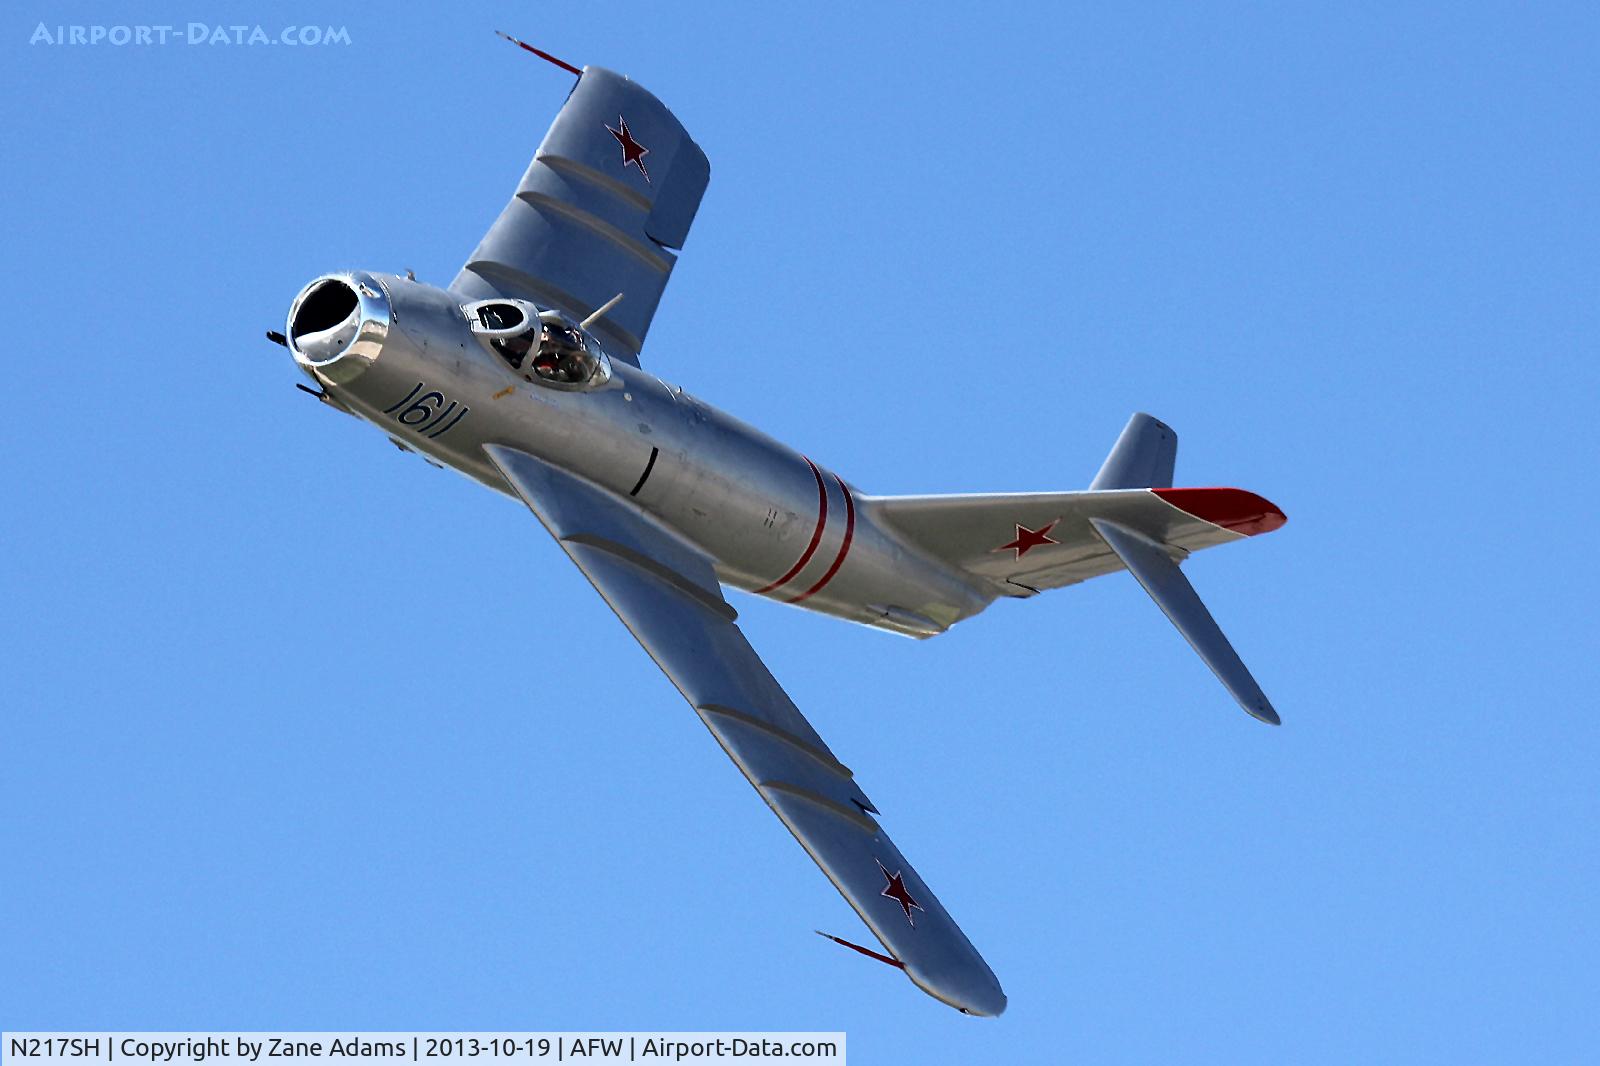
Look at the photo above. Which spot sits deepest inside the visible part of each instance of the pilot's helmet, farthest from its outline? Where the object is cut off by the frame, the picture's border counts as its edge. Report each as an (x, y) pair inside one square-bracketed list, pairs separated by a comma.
[(559, 335)]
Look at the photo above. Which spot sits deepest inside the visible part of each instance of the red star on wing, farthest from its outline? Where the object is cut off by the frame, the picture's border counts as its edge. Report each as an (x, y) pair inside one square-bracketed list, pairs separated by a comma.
[(896, 890), (632, 151), (1029, 539)]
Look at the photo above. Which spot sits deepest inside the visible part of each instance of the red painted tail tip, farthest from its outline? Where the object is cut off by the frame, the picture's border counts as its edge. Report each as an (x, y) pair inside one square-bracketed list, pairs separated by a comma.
[(1235, 509)]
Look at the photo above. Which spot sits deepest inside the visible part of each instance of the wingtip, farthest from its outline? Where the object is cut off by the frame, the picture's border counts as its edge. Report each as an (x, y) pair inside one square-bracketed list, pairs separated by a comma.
[(972, 993), (989, 1003)]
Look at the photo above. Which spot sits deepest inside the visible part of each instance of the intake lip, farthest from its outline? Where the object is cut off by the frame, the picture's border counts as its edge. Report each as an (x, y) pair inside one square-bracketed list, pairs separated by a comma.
[(338, 325)]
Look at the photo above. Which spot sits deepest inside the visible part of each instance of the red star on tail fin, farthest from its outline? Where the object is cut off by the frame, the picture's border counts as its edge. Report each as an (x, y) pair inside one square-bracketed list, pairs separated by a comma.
[(1029, 539)]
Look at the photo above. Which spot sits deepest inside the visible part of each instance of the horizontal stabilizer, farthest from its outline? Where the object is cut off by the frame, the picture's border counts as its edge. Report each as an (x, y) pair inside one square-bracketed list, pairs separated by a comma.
[(1161, 578), (1142, 458)]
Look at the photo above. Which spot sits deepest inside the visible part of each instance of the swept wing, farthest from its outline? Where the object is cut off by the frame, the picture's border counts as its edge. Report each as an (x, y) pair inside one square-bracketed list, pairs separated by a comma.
[(666, 593)]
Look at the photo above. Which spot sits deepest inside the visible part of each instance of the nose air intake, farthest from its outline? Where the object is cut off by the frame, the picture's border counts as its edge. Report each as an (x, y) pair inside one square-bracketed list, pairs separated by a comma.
[(337, 325), (325, 320)]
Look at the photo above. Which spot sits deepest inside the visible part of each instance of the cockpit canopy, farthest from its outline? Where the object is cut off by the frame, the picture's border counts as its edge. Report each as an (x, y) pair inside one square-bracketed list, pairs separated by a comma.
[(545, 347)]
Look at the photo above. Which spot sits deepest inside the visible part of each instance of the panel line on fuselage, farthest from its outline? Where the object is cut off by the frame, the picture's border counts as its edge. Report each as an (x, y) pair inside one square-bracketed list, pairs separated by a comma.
[(649, 466)]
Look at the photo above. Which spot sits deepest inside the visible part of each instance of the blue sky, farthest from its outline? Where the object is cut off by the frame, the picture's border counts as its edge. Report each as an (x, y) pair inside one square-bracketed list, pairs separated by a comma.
[(280, 751)]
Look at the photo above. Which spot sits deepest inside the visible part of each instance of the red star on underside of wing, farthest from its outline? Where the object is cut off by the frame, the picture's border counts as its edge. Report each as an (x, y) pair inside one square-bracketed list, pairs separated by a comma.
[(896, 890), (1029, 539), (632, 151)]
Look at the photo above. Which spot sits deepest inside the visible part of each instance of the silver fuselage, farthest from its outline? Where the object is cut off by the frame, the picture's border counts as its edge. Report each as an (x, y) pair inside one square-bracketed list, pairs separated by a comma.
[(773, 521)]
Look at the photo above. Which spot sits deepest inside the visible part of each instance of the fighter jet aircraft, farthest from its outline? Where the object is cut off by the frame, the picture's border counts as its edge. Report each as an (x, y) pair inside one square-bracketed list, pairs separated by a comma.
[(525, 374)]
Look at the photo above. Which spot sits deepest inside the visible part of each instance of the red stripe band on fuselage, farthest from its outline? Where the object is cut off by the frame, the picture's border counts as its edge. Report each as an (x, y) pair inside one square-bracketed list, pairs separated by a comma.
[(816, 535), (844, 546)]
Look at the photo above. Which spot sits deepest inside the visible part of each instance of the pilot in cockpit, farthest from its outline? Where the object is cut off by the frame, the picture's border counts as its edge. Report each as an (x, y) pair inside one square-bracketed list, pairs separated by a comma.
[(563, 356)]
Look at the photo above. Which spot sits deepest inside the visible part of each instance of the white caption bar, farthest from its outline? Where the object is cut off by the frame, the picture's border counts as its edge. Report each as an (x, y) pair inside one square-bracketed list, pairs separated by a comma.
[(347, 1049)]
